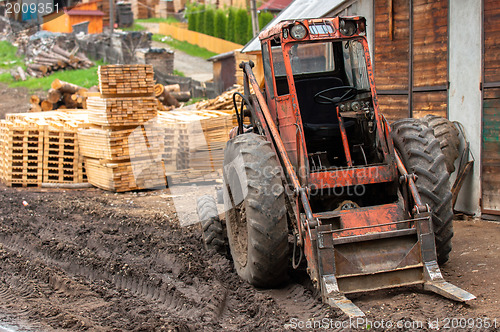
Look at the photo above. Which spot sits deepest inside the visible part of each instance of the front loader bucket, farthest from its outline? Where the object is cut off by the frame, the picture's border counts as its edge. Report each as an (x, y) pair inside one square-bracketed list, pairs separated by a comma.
[(372, 257)]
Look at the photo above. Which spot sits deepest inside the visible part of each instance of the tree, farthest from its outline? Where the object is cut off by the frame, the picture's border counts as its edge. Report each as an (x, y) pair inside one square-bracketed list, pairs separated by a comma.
[(241, 27), (192, 17), (209, 24), (200, 18), (264, 19), (220, 24), (230, 27)]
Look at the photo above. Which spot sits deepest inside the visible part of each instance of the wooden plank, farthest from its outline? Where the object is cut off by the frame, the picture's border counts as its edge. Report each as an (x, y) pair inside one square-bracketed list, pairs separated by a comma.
[(490, 155), (393, 106), (429, 103)]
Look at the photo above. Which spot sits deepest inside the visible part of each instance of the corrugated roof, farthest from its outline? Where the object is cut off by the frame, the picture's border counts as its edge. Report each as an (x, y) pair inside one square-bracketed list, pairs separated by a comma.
[(77, 12), (275, 5), (298, 9)]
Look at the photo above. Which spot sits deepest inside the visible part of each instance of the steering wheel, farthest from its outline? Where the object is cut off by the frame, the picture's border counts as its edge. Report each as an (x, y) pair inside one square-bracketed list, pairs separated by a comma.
[(323, 98)]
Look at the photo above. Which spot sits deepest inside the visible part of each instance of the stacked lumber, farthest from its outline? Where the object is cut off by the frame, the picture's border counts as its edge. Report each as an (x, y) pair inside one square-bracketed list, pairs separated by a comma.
[(123, 150), (123, 111), (119, 80), (61, 95), (222, 102), (46, 62), (41, 148), (195, 139)]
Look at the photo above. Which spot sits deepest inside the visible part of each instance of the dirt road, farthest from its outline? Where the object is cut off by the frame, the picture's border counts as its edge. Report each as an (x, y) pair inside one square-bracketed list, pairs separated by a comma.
[(92, 260)]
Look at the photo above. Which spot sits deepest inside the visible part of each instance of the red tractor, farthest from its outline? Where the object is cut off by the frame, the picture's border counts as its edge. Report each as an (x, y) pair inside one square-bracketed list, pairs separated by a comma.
[(367, 204)]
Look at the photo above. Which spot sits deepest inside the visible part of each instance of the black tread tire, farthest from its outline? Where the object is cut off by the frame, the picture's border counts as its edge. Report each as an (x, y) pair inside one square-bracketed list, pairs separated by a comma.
[(421, 154), (448, 137), (212, 228), (256, 218)]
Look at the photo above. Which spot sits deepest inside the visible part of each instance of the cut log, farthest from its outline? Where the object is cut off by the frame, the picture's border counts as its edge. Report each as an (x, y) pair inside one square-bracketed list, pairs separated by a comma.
[(35, 108), (34, 99), (34, 73), (60, 51), (181, 96), (22, 74), (65, 87), (173, 88), (38, 67), (159, 88), (46, 106), (168, 100), (70, 103), (54, 95)]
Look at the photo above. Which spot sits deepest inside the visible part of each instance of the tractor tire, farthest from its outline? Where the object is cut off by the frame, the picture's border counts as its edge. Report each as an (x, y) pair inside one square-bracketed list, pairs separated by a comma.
[(448, 137), (212, 228), (256, 215), (421, 154)]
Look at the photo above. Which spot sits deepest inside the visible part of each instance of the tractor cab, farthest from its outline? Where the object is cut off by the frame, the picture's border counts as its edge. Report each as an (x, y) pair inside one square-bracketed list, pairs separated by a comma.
[(317, 70)]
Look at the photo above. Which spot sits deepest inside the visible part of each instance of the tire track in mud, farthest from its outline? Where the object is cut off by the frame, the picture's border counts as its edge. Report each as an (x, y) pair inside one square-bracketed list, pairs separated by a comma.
[(174, 297), (300, 303)]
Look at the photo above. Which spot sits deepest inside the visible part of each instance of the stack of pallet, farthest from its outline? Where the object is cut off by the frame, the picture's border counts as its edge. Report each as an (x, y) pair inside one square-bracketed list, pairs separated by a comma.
[(41, 148), (123, 150), (195, 139)]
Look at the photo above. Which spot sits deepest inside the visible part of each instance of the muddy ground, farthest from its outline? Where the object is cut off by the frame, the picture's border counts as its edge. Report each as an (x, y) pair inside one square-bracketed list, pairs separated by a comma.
[(93, 260)]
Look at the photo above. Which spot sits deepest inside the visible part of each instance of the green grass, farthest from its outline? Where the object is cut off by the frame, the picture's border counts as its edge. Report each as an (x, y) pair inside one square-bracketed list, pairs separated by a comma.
[(158, 20), (179, 73), (135, 27), (8, 58), (185, 47), (82, 77)]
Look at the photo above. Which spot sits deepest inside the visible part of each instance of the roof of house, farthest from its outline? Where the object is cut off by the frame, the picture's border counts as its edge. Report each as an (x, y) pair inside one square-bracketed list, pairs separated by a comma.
[(275, 5), (299, 9), (77, 12)]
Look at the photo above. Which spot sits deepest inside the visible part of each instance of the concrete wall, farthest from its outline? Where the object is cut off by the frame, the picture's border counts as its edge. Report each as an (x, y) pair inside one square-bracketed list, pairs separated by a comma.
[(464, 94)]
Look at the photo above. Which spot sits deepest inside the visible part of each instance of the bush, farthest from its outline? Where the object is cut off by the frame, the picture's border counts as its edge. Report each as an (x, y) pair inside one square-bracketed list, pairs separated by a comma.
[(264, 19), (209, 25), (241, 27), (191, 17), (200, 18), (220, 24), (230, 26)]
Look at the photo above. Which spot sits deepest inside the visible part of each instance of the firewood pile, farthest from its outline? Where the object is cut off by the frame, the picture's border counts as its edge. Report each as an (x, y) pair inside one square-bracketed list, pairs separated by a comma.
[(46, 62), (47, 52), (222, 102), (61, 95)]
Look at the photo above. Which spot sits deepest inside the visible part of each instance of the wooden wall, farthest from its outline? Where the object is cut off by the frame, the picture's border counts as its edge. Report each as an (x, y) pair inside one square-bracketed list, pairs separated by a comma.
[(411, 57), (490, 155)]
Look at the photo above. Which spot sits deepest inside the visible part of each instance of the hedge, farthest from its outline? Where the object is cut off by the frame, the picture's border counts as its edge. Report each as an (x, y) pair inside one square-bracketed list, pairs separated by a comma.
[(231, 24)]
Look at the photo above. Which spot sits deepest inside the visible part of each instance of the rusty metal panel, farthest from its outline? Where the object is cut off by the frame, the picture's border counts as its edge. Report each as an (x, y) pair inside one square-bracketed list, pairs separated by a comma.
[(491, 151)]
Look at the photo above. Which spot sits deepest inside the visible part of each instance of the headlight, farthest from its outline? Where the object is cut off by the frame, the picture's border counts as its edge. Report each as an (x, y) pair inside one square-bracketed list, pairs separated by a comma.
[(298, 31), (347, 28)]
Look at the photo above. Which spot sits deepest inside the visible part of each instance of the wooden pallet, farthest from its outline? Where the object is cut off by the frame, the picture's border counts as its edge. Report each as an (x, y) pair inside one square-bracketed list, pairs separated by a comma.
[(127, 175), (195, 139), (119, 80), (22, 153), (143, 142), (125, 111), (62, 162)]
